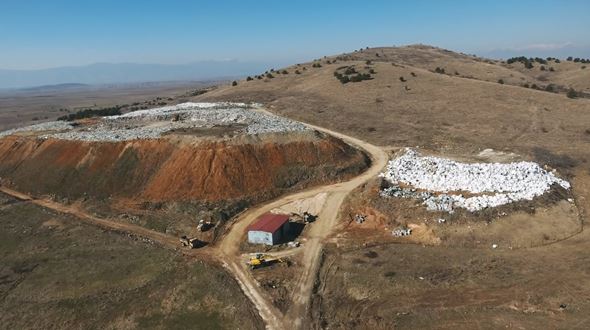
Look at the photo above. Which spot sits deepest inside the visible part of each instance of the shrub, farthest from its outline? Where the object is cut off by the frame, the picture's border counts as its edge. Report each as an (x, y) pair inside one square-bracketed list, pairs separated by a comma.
[(528, 65), (439, 70), (501, 81), (550, 88), (350, 70), (569, 58), (285, 72), (360, 77), (89, 113), (344, 79), (269, 76), (316, 65), (234, 83), (572, 94), (297, 72), (372, 71), (249, 78), (413, 74), (583, 67), (402, 79), (551, 69), (525, 85), (542, 68), (534, 86), (576, 60), (258, 77), (368, 62), (557, 60)]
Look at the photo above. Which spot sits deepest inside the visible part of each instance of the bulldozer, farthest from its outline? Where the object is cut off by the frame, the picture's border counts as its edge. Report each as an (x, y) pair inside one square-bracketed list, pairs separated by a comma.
[(191, 243), (262, 260)]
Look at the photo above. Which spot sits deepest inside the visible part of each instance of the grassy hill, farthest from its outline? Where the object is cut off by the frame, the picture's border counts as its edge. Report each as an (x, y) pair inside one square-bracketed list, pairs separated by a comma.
[(407, 103)]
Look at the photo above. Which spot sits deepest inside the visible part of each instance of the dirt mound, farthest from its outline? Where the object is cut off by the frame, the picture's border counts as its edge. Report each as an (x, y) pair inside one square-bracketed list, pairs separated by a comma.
[(169, 170)]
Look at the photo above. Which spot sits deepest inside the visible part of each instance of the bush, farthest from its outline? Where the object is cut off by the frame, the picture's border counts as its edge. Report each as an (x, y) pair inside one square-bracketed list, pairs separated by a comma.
[(402, 79), (89, 113), (368, 62), (249, 78), (550, 88), (360, 77), (534, 86), (316, 65), (234, 83), (258, 77), (572, 94), (297, 72), (583, 67), (372, 71), (542, 68), (551, 69), (569, 58), (526, 85), (269, 76), (576, 60), (501, 81), (439, 70), (413, 74), (528, 65), (350, 70), (285, 72), (557, 60)]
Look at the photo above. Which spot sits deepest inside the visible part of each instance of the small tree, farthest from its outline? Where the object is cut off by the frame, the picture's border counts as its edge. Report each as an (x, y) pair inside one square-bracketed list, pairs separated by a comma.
[(285, 72), (501, 81), (402, 79), (234, 83), (249, 78), (297, 72), (413, 74), (569, 58), (572, 94), (542, 68)]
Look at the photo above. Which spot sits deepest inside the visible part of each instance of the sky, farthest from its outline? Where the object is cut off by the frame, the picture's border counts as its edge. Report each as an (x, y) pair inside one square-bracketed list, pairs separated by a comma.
[(44, 34)]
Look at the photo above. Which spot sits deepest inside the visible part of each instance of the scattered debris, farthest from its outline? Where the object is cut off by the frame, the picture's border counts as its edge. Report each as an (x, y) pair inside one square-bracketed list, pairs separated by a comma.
[(359, 218), (494, 184), (401, 231)]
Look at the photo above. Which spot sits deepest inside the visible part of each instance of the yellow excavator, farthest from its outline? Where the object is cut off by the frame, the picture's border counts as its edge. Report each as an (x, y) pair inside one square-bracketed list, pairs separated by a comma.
[(262, 260)]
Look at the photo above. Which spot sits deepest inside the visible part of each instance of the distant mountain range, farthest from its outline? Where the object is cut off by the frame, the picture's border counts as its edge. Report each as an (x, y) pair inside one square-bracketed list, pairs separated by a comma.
[(116, 73)]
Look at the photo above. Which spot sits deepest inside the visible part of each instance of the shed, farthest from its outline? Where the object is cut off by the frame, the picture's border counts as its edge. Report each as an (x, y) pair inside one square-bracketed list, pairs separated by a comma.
[(269, 229)]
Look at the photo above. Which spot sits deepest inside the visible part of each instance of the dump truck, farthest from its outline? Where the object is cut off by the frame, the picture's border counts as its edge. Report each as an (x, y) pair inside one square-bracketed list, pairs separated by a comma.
[(262, 260), (191, 243)]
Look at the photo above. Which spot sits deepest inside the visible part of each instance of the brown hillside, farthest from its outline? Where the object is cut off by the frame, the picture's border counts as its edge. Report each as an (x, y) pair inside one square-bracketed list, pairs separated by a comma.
[(427, 109), (166, 170)]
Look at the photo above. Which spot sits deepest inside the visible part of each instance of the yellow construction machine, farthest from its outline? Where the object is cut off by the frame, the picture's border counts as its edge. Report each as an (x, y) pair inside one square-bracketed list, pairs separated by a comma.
[(262, 260)]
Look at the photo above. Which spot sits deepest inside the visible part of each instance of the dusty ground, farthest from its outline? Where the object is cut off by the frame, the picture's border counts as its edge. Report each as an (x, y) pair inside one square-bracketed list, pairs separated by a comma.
[(56, 273)]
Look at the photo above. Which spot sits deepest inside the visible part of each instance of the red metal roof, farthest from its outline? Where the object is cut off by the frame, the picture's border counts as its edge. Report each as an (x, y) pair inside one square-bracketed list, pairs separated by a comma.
[(269, 222)]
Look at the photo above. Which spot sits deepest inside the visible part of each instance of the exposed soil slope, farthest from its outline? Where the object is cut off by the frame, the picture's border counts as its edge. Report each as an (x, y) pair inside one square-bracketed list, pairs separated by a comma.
[(166, 170)]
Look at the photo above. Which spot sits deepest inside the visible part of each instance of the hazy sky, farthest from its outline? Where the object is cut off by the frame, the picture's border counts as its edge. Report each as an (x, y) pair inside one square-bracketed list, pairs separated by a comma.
[(41, 34)]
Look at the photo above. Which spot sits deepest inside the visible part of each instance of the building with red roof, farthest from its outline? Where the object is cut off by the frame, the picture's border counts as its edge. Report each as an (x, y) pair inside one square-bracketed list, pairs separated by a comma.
[(269, 229)]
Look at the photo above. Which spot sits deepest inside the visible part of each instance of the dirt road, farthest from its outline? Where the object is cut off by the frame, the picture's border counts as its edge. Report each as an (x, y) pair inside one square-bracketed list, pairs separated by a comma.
[(165, 240), (320, 230)]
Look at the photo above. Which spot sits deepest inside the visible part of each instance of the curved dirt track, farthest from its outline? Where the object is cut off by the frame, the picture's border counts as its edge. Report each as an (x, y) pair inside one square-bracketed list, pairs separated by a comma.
[(296, 315)]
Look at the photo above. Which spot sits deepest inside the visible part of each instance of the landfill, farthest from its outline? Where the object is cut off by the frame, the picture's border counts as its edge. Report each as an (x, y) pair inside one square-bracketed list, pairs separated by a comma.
[(152, 123), (439, 182)]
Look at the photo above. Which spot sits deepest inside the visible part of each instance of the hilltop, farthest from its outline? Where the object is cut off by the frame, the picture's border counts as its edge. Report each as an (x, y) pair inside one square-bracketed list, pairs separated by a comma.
[(407, 102)]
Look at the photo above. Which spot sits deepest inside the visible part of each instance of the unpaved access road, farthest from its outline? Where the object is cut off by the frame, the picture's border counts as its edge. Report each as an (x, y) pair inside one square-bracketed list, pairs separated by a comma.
[(229, 245)]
